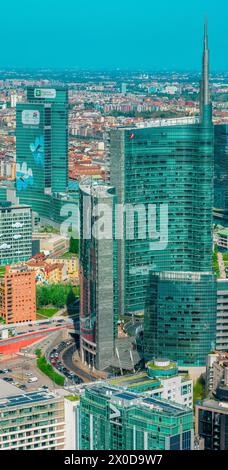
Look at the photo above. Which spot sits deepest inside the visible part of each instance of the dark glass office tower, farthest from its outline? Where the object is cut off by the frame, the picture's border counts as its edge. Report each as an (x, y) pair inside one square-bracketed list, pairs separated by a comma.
[(42, 147), (98, 322)]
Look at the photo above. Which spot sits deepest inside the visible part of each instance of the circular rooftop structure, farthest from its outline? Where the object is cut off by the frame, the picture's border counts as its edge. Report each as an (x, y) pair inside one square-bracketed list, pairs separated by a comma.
[(161, 367)]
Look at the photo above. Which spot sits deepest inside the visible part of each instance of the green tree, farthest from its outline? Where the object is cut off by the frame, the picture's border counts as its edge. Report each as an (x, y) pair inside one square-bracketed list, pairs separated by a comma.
[(57, 295), (74, 245)]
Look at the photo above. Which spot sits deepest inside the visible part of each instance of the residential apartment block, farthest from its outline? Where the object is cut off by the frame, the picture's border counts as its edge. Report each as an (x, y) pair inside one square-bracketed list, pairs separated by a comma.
[(30, 421), (17, 294), (15, 233)]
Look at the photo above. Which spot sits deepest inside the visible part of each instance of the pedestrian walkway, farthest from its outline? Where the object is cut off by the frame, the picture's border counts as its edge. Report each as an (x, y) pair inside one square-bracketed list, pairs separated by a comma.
[(221, 266)]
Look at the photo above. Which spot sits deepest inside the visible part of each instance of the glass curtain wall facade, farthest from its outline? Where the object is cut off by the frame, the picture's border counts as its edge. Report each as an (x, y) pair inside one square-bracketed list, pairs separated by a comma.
[(165, 171), (221, 174), (113, 419), (42, 147), (168, 166), (180, 317)]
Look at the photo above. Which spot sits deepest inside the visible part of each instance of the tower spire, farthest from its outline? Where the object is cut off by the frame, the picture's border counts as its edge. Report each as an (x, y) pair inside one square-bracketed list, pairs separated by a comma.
[(205, 34), (205, 99)]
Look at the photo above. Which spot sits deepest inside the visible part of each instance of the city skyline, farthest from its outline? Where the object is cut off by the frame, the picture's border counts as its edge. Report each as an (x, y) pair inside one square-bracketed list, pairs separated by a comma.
[(113, 230)]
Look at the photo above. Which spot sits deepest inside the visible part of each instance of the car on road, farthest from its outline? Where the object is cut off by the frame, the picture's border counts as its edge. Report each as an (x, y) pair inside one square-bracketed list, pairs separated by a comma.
[(8, 379), (76, 380), (5, 371), (29, 374)]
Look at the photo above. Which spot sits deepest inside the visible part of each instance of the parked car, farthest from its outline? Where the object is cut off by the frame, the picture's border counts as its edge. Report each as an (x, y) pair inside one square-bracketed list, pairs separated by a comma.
[(22, 386), (32, 380)]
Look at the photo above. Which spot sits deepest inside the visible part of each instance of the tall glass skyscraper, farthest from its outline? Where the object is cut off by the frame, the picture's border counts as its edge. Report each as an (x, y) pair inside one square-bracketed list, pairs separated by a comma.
[(169, 165), (42, 148), (163, 173)]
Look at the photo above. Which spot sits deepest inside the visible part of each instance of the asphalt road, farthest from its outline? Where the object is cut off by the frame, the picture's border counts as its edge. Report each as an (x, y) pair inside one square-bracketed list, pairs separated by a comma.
[(67, 360)]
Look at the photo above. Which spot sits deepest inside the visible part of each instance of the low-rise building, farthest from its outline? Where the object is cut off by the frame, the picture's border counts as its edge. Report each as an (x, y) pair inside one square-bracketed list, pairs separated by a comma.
[(223, 239), (71, 265), (160, 380), (222, 316), (112, 418), (212, 420), (216, 371), (47, 271), (31, 420), (148, 410), (52, 244)]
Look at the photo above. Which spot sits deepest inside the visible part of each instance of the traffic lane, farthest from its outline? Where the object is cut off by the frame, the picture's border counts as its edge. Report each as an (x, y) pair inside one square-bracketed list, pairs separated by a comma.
[(67, 361)]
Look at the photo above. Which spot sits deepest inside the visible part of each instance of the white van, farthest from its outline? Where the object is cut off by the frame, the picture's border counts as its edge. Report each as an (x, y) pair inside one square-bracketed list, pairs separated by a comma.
[(32, 380)]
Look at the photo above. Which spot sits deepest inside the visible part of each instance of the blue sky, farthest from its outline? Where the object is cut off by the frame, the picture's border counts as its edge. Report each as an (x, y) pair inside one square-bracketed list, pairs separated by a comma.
[(103, 34)]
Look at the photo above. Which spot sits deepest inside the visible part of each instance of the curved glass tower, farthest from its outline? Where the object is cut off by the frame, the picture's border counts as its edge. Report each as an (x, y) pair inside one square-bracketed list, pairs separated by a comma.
[(165, 170), (180, 316), (162, 173)]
